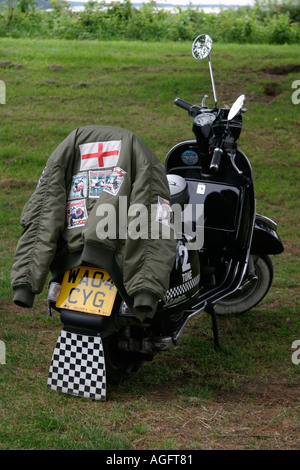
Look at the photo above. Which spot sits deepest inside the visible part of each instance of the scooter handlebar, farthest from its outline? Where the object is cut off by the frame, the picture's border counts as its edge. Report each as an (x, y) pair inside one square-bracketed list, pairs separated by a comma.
[(192, 109), (183, 104), (216, 159)]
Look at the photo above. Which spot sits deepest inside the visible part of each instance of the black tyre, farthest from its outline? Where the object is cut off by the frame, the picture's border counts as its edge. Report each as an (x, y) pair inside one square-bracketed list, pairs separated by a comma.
[(250, 293), (118, 364)]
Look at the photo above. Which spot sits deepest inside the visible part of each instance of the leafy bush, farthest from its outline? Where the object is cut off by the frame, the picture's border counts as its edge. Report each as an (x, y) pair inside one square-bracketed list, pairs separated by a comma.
[(267, 22)]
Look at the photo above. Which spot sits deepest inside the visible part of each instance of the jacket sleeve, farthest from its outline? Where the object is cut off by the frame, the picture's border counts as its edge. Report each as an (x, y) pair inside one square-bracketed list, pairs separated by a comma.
[(148, 260), (43, 220)]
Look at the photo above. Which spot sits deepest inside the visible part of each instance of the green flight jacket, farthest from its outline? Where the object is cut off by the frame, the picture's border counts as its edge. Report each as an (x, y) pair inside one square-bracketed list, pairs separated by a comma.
[(71, 219)]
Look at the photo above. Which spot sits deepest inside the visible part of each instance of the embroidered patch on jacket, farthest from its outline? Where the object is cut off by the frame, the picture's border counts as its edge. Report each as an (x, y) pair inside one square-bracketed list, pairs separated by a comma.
[(115, 181), (40, 178), (97, 181), (79, 186), (76, 213), (164, 213), (99, 154)]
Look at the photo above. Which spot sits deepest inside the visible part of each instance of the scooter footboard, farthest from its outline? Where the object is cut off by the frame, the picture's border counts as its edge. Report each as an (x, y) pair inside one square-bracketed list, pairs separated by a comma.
[(78, 367)]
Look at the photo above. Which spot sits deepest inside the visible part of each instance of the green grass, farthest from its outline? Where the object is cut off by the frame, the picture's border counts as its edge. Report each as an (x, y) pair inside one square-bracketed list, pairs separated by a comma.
[(178, 400)]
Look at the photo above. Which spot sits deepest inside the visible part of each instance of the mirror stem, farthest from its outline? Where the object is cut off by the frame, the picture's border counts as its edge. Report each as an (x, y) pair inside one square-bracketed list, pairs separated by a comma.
[(212, 81)]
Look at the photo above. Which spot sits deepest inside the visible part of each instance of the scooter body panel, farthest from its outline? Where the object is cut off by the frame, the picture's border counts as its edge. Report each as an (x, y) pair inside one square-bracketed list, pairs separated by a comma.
[(229, 214), (265, 237)]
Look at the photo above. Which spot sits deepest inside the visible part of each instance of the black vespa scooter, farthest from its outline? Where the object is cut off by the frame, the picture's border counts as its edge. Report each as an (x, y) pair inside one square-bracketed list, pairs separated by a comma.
[(222, 263), (227, 191)]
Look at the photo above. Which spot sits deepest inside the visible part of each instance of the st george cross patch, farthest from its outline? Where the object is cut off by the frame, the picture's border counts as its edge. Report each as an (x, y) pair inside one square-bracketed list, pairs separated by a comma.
[(99, 154)]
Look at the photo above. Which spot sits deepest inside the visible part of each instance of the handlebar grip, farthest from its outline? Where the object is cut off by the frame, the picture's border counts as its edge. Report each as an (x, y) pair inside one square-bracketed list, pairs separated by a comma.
[(216, 160), (183, 104)]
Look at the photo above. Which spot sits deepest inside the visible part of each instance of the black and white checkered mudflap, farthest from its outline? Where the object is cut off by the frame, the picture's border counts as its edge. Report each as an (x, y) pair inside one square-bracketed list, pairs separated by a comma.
[(78, 367)]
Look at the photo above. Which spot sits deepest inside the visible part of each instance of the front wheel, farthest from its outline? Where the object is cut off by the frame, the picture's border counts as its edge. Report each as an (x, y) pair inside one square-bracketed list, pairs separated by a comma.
[(251, 291)]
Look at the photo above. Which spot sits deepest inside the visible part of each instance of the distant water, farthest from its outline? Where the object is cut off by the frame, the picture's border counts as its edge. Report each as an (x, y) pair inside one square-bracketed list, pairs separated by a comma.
[(206, 5)]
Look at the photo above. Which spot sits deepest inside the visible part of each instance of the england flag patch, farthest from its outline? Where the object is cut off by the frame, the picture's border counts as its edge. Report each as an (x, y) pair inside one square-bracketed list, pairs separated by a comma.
[(99, 154)]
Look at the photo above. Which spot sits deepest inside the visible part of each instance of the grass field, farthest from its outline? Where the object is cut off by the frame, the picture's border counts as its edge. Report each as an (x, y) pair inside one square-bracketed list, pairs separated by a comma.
[(245, 396)]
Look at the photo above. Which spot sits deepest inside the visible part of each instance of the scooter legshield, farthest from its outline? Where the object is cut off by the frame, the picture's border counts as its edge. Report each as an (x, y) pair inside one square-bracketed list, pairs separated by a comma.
[(78, 366)]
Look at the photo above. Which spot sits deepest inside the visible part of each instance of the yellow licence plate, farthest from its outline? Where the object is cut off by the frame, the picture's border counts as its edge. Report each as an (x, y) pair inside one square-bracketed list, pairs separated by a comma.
[(87, 289)]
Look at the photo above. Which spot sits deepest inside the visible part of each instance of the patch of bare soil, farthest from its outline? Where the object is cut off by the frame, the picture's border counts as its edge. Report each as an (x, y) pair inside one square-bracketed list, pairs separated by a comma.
[(272, 89), (9, 64), (14, 183), (253, 416), (270, 77), (283, 69)]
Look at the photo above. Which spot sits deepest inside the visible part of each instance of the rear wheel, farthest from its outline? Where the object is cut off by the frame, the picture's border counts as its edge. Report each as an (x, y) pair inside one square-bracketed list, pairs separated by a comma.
[(251, 291), (118, 363)]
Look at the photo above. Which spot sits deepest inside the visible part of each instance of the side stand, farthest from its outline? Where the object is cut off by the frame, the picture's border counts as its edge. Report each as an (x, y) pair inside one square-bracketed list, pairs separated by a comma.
[(210, 308)]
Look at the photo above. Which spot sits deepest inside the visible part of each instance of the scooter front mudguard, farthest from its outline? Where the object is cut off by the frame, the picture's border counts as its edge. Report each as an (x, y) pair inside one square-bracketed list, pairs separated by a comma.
[(265, 237)]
